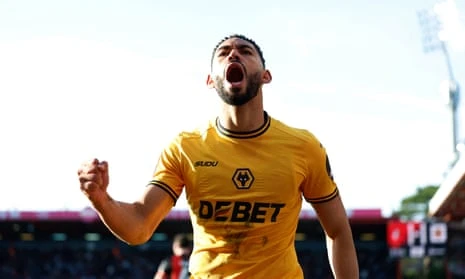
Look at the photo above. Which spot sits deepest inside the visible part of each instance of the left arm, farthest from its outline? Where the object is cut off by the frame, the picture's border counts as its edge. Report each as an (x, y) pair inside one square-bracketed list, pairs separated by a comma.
[(340, 244)]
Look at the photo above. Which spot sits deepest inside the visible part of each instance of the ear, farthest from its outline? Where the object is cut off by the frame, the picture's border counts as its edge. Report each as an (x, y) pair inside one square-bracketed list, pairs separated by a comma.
[(266, 78), (210, 81)]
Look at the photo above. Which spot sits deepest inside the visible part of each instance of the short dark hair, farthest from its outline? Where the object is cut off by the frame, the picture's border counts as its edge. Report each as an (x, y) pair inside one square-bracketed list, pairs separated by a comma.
[(242, 37), (183, 240)]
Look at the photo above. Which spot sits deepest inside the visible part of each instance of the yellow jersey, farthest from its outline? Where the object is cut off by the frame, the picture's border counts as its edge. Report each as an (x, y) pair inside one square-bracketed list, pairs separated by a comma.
[(245, 192)]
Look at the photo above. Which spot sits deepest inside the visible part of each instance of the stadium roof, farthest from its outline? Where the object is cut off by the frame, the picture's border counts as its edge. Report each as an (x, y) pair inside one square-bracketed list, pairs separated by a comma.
[(449, 201)]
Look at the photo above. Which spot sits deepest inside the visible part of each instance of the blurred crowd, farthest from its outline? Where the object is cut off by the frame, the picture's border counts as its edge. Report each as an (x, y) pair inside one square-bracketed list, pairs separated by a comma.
[(119, 261), (77, 263)]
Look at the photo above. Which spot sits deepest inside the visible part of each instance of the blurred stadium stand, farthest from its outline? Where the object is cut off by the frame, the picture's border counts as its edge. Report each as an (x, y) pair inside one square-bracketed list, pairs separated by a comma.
[(75, 244)]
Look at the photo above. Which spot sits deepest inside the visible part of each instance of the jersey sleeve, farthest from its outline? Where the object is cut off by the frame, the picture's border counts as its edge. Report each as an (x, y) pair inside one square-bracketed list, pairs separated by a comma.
[(168, 171), (318, 185)]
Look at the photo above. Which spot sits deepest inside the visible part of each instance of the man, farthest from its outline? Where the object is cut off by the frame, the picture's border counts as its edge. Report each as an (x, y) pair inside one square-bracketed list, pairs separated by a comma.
[(176, 266), (244, 174)]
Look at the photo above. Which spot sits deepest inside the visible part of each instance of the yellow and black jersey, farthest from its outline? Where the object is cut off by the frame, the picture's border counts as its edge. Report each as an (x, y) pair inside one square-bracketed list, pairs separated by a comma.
[(244, 192)]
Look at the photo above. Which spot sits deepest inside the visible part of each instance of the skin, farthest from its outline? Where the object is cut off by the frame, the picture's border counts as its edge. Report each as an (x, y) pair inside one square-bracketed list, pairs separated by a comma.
[(134, 223)]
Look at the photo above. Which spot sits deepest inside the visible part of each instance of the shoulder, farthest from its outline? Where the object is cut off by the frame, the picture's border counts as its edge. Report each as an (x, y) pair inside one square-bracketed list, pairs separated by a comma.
[(196, 132), (300, 135), (191, 136)]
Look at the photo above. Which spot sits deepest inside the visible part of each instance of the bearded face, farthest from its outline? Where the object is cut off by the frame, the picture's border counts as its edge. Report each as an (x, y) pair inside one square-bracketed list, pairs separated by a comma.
[(238, 72), (235, 87)]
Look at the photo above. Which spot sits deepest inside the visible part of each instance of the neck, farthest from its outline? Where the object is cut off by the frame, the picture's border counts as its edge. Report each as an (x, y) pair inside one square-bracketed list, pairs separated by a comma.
[(247, 117)]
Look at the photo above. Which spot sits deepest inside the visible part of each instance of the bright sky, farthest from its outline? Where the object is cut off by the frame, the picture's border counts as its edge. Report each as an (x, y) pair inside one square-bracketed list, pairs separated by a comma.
[(117, 80)]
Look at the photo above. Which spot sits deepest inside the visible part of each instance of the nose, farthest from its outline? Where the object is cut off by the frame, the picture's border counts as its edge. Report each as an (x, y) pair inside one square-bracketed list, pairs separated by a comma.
[(233, 55)]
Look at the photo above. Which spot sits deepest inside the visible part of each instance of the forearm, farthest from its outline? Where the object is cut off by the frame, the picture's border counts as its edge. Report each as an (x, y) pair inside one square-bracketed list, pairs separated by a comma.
[(133, 223), (127, 221), (342, 256)]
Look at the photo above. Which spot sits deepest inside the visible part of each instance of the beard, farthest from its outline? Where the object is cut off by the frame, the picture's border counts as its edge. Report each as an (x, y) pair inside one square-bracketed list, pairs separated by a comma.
[(234, 98)]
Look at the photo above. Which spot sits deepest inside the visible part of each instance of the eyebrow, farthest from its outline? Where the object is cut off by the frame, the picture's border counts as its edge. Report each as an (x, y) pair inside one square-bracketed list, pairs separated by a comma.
[(238, 46)]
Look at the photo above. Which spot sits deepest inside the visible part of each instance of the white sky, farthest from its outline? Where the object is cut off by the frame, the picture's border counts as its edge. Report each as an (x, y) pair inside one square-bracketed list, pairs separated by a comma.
[(118, 79)]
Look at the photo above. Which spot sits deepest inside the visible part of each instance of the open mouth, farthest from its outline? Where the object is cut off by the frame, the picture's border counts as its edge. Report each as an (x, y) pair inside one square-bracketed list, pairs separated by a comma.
[(234, 73)]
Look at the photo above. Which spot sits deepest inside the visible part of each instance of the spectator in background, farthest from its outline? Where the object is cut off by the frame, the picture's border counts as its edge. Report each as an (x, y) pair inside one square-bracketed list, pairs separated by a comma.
[(176, 266)]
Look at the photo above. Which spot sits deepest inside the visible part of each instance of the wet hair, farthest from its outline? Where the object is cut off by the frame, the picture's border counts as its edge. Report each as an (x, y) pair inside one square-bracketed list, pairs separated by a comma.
[(242, 37)]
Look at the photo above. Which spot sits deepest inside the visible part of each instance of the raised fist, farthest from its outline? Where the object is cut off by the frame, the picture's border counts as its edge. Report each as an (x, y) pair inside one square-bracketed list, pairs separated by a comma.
[(94, 178)]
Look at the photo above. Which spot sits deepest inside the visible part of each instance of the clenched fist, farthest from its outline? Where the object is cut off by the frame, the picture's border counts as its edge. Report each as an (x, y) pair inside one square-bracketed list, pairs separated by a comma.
[(94, 179)]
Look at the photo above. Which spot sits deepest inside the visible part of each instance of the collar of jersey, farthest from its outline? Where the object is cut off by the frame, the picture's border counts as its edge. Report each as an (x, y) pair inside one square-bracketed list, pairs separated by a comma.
[(244, 135)]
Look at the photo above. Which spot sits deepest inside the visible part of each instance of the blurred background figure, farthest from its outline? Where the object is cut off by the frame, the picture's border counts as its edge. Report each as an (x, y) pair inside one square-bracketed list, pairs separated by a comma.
[(176, 266)]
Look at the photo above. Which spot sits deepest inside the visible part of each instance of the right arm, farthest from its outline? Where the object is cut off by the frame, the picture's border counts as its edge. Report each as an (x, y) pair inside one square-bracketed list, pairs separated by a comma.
[(133, 223)]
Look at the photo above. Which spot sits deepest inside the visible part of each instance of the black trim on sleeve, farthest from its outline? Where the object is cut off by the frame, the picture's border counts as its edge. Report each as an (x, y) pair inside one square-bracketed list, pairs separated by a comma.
[(166, 188), (327, 198)]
